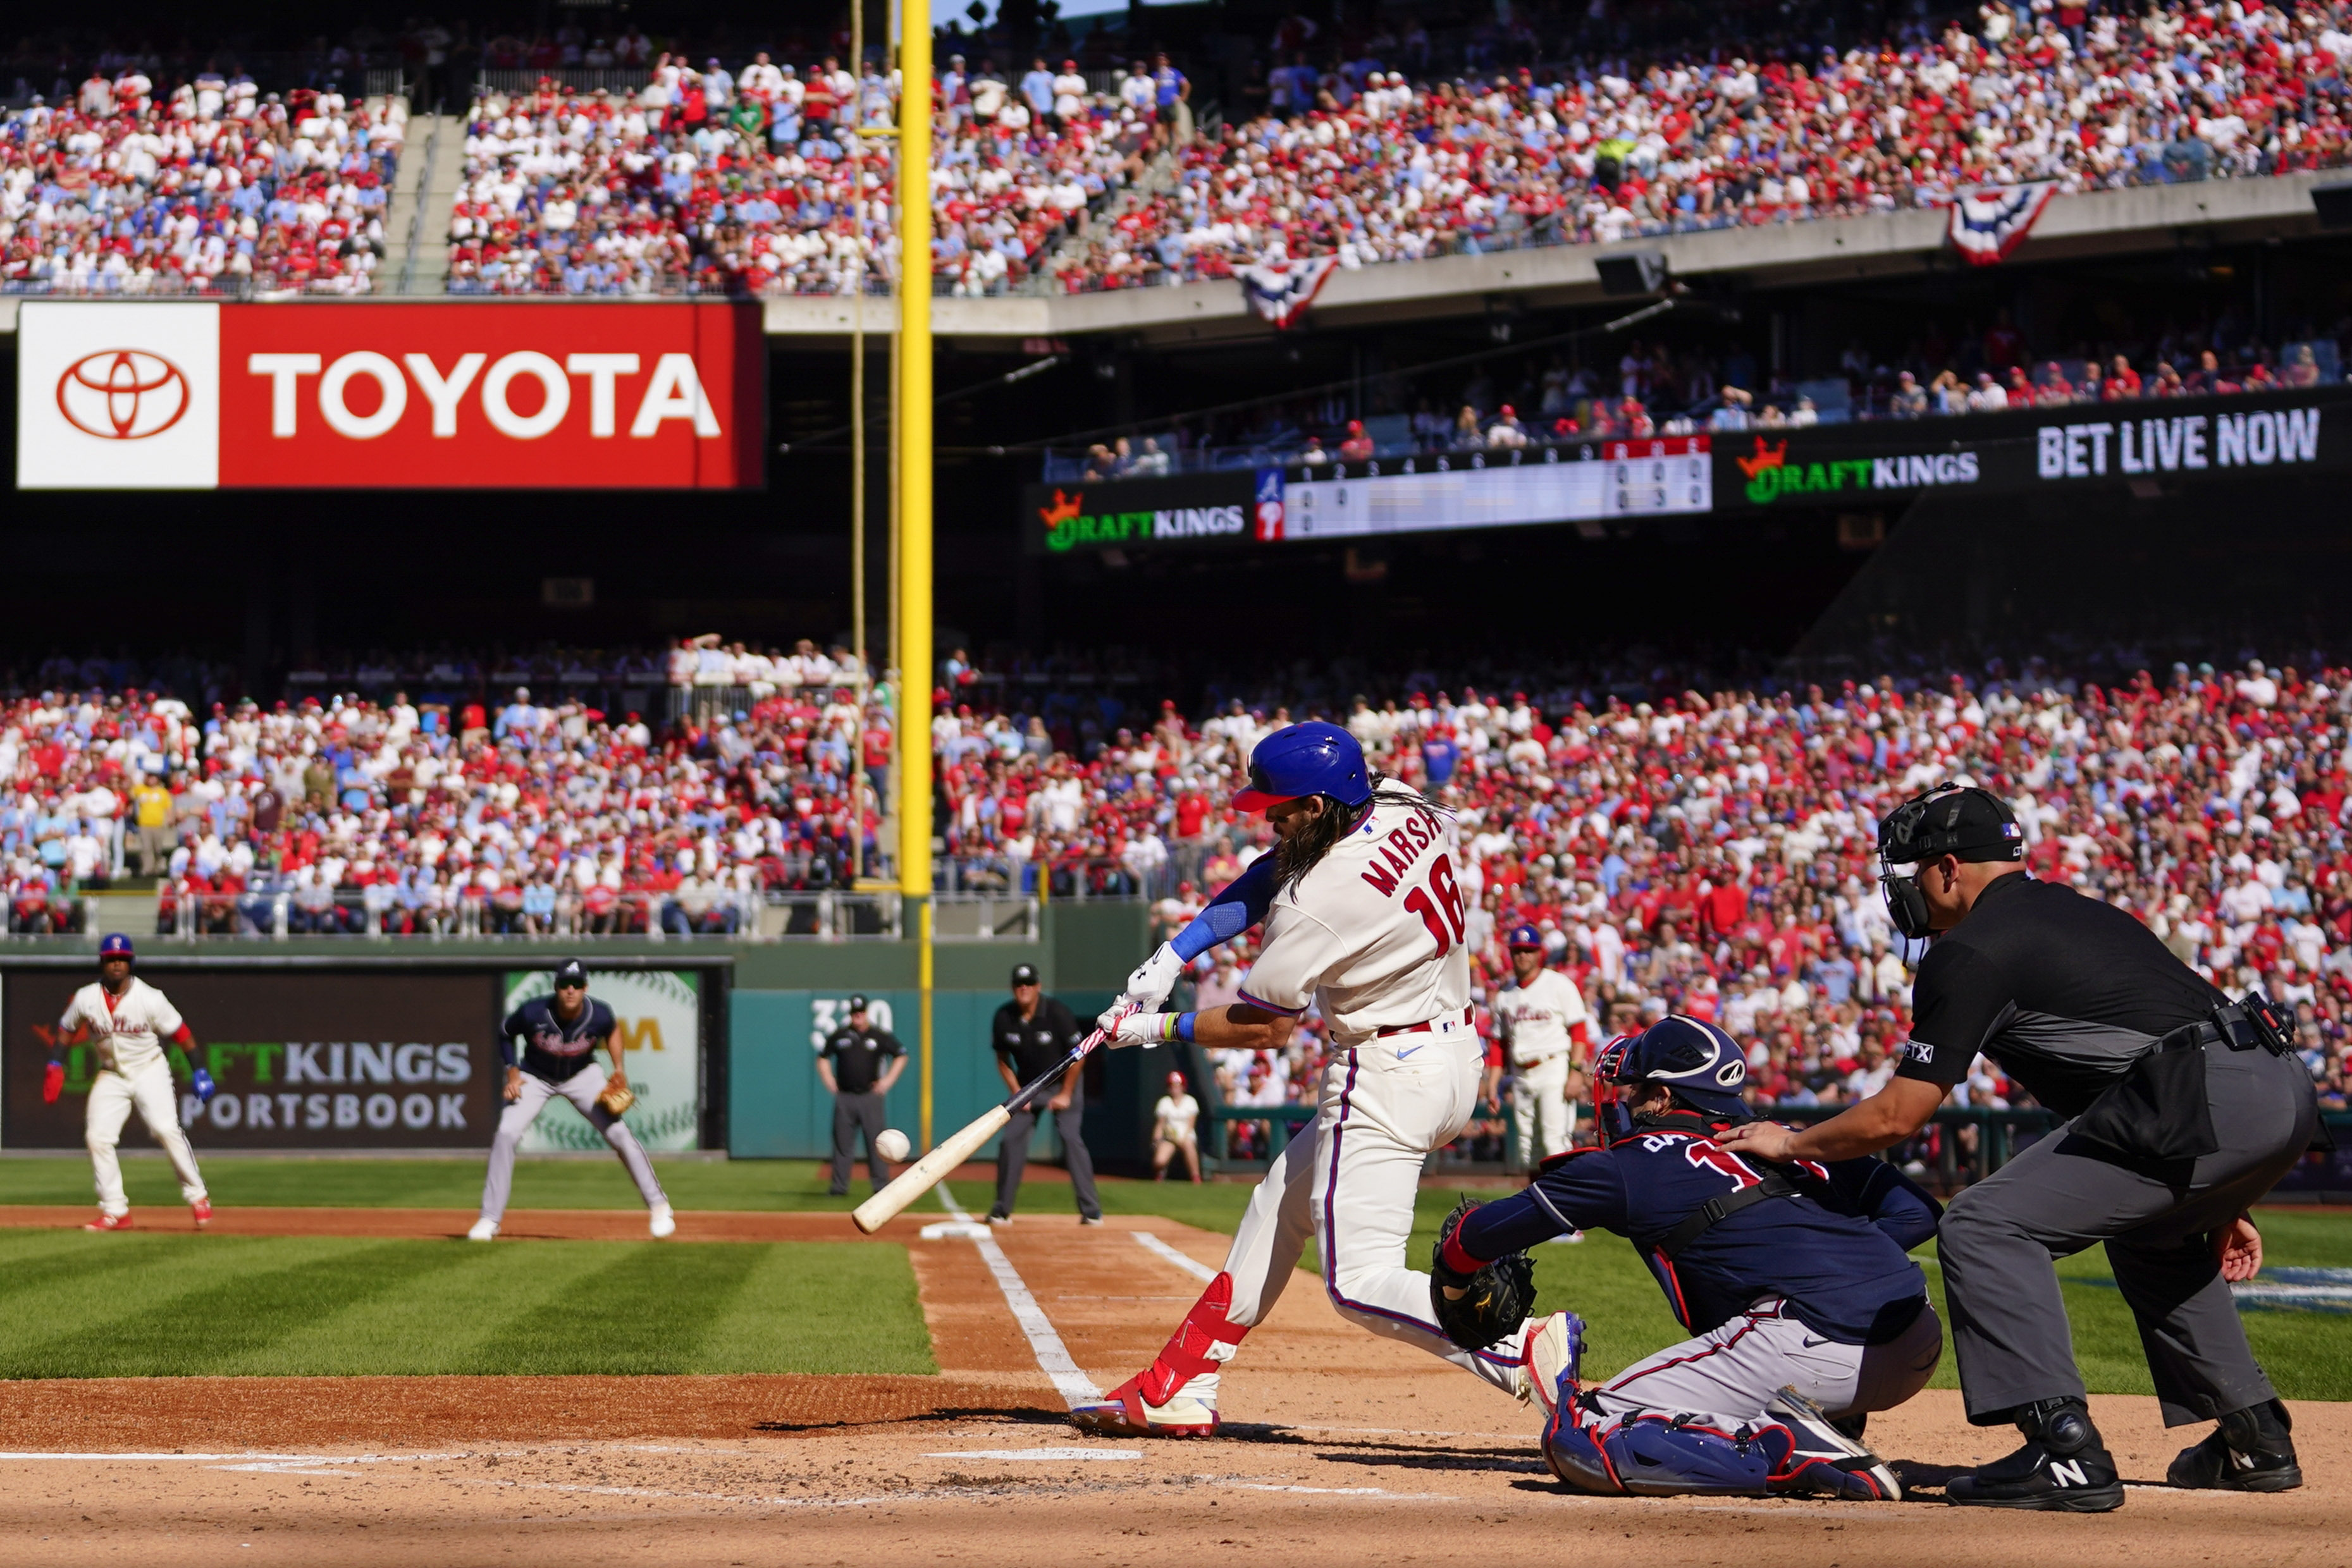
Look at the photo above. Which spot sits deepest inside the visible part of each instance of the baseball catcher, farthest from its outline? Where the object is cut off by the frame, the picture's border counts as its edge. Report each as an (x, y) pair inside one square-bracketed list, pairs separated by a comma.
[(1793, 1279)]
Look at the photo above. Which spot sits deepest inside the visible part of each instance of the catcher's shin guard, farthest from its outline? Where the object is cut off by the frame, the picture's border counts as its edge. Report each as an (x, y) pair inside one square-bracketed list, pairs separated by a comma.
[(1176, 1395)]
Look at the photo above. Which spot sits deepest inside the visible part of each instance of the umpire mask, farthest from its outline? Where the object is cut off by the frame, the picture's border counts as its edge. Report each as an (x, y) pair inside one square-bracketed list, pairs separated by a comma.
[(1956, 820)]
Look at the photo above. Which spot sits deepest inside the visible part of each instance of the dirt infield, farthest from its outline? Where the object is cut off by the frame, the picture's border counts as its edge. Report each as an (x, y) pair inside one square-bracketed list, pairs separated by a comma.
[(1341, 1448)]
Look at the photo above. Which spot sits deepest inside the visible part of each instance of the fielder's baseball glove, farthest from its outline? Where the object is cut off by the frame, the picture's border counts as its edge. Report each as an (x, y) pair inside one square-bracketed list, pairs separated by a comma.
[(616, 1099), (1493, 1303)]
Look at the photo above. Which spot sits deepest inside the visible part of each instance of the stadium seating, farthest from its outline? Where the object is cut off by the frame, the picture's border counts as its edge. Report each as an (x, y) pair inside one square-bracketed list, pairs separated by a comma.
[(1364, 166), (1712, 855), (1354, 161), (666, 192), (206, 187)]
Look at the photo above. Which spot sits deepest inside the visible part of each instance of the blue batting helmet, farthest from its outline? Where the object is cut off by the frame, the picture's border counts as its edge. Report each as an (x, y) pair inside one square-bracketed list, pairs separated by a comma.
[(1525, 936), (1310, 759), (1704, 1066), (116, 945)]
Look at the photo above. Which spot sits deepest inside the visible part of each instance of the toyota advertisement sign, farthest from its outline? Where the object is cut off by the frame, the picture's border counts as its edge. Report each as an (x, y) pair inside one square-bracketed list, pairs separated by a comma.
[(442, 396)]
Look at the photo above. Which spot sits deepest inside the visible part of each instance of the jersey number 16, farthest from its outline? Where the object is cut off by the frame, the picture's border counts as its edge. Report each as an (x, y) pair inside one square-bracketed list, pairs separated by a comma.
[(1441, 914)]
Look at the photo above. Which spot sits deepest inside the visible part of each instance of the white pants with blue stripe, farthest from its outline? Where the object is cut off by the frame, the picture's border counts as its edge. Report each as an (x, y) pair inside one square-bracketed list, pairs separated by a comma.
[(1382, 1109)]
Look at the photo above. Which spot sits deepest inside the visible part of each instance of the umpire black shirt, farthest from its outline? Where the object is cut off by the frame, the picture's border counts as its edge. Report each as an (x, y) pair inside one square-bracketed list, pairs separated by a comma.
[(1032, 1045), (857, 1057), (2063, 991)]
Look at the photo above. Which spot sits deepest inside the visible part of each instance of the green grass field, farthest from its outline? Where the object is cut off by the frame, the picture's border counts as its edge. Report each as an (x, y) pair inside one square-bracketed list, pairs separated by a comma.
[(73, 1305)]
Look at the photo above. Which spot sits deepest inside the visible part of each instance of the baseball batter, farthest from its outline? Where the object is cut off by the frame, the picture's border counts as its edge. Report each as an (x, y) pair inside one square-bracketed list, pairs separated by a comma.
[(1364, 920), (559, 1035), (129, 1020), (1547, 1032), (1793, 1279)]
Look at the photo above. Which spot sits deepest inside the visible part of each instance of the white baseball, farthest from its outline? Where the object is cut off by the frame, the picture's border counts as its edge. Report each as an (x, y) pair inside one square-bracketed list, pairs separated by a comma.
[(892, 1145)]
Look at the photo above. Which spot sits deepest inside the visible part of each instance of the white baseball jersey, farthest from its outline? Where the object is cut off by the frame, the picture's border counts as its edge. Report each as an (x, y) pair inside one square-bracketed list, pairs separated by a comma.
[(128, 1029), (1372, 936), (1535, 1019), (1174, 1116)]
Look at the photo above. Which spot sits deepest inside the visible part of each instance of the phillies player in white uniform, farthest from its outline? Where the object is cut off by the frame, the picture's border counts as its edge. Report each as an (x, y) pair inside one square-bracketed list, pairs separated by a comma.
[(1547, 1031), (129, 1020), (1365, 923)]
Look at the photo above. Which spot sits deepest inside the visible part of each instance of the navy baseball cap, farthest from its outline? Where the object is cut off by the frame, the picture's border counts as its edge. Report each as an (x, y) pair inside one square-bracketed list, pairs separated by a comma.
[(857, 1004), (116, 945), (1025, 974), (1526, 937), (572, 972)]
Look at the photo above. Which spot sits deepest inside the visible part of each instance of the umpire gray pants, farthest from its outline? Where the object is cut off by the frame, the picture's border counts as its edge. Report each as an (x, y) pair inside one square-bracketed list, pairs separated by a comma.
[(1013, 1156), (854, 1114), (2000, 1239)]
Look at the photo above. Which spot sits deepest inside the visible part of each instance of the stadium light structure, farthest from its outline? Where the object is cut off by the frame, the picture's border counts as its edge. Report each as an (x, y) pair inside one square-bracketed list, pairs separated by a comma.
[(910, 425)]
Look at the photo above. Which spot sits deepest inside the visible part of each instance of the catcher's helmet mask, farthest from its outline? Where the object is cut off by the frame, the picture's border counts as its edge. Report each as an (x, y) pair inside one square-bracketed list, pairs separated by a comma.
[(1702, 1066)]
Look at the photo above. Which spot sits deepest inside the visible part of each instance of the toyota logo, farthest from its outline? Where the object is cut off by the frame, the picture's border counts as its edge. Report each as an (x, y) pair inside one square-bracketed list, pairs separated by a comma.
[(122, 394)]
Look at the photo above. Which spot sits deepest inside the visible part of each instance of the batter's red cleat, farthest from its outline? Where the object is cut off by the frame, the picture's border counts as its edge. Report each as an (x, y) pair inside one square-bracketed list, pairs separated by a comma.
[(110, 1222), (1190, 1412), (1176, 1395), (202, 1209)]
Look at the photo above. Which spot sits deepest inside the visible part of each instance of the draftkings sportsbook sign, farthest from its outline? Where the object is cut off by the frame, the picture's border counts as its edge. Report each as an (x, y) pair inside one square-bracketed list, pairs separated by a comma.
[(2141, 441)]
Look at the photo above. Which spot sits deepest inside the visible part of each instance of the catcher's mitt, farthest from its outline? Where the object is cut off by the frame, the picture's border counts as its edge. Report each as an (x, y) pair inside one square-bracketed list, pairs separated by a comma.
[(616, 1099), (1492, 1303)]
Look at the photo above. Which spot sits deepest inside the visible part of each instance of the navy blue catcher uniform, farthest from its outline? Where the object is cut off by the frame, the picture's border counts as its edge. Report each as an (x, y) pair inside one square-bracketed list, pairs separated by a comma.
[(1794, 1280)]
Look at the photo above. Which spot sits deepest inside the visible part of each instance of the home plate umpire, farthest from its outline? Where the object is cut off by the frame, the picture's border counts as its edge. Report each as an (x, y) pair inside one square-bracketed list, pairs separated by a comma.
[(2183, 1108)]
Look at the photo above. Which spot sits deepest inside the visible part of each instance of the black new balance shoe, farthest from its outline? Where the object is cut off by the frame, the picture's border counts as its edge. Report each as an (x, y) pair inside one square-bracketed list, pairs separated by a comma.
[(2248, 1451), (2062, 1468)]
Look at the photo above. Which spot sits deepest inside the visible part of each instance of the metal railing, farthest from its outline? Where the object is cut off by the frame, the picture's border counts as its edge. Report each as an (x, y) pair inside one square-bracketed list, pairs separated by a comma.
[(514, 81), (193, 913)]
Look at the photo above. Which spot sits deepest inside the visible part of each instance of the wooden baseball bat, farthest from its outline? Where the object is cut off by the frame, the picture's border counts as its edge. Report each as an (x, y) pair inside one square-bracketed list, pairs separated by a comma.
[(928, 1172)]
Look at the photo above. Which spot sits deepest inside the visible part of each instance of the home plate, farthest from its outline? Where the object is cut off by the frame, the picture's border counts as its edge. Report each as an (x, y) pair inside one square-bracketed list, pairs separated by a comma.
[(970, 1229), (1039, 1454)]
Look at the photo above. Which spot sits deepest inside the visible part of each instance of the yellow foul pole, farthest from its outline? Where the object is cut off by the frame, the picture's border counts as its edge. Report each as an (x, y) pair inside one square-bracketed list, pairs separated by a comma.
[(912, 430)]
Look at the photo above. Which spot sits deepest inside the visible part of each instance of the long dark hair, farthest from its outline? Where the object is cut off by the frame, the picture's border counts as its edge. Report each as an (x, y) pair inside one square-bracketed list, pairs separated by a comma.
[(1296, 854)]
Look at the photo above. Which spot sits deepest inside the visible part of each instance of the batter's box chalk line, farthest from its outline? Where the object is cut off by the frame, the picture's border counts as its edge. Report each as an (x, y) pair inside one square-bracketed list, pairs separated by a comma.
[(1053, 1357), (1152, 1243)]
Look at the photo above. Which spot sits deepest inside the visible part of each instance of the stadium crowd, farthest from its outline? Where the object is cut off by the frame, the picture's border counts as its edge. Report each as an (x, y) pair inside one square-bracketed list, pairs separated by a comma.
[(755, 179), (133, 189), (765, 183), (1707, 853), (1355, 161), (1715, 854)]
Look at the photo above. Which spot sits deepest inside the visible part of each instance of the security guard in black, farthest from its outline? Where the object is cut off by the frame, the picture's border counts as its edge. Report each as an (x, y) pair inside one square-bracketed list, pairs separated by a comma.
[(858, 1063)]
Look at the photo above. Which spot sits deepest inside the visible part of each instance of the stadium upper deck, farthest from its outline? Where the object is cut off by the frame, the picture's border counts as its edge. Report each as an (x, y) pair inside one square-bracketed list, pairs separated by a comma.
[(740, 181)]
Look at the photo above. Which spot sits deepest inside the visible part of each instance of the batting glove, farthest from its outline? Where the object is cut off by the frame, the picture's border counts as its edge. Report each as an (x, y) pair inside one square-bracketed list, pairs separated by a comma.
[(201, 1083), (53, 1083), (1146, 1029), (1148, 987)]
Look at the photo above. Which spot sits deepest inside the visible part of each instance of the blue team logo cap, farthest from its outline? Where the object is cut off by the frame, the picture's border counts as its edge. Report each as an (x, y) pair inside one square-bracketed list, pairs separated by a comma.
[(1526, 937), (116, 945), (1310, 759)]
